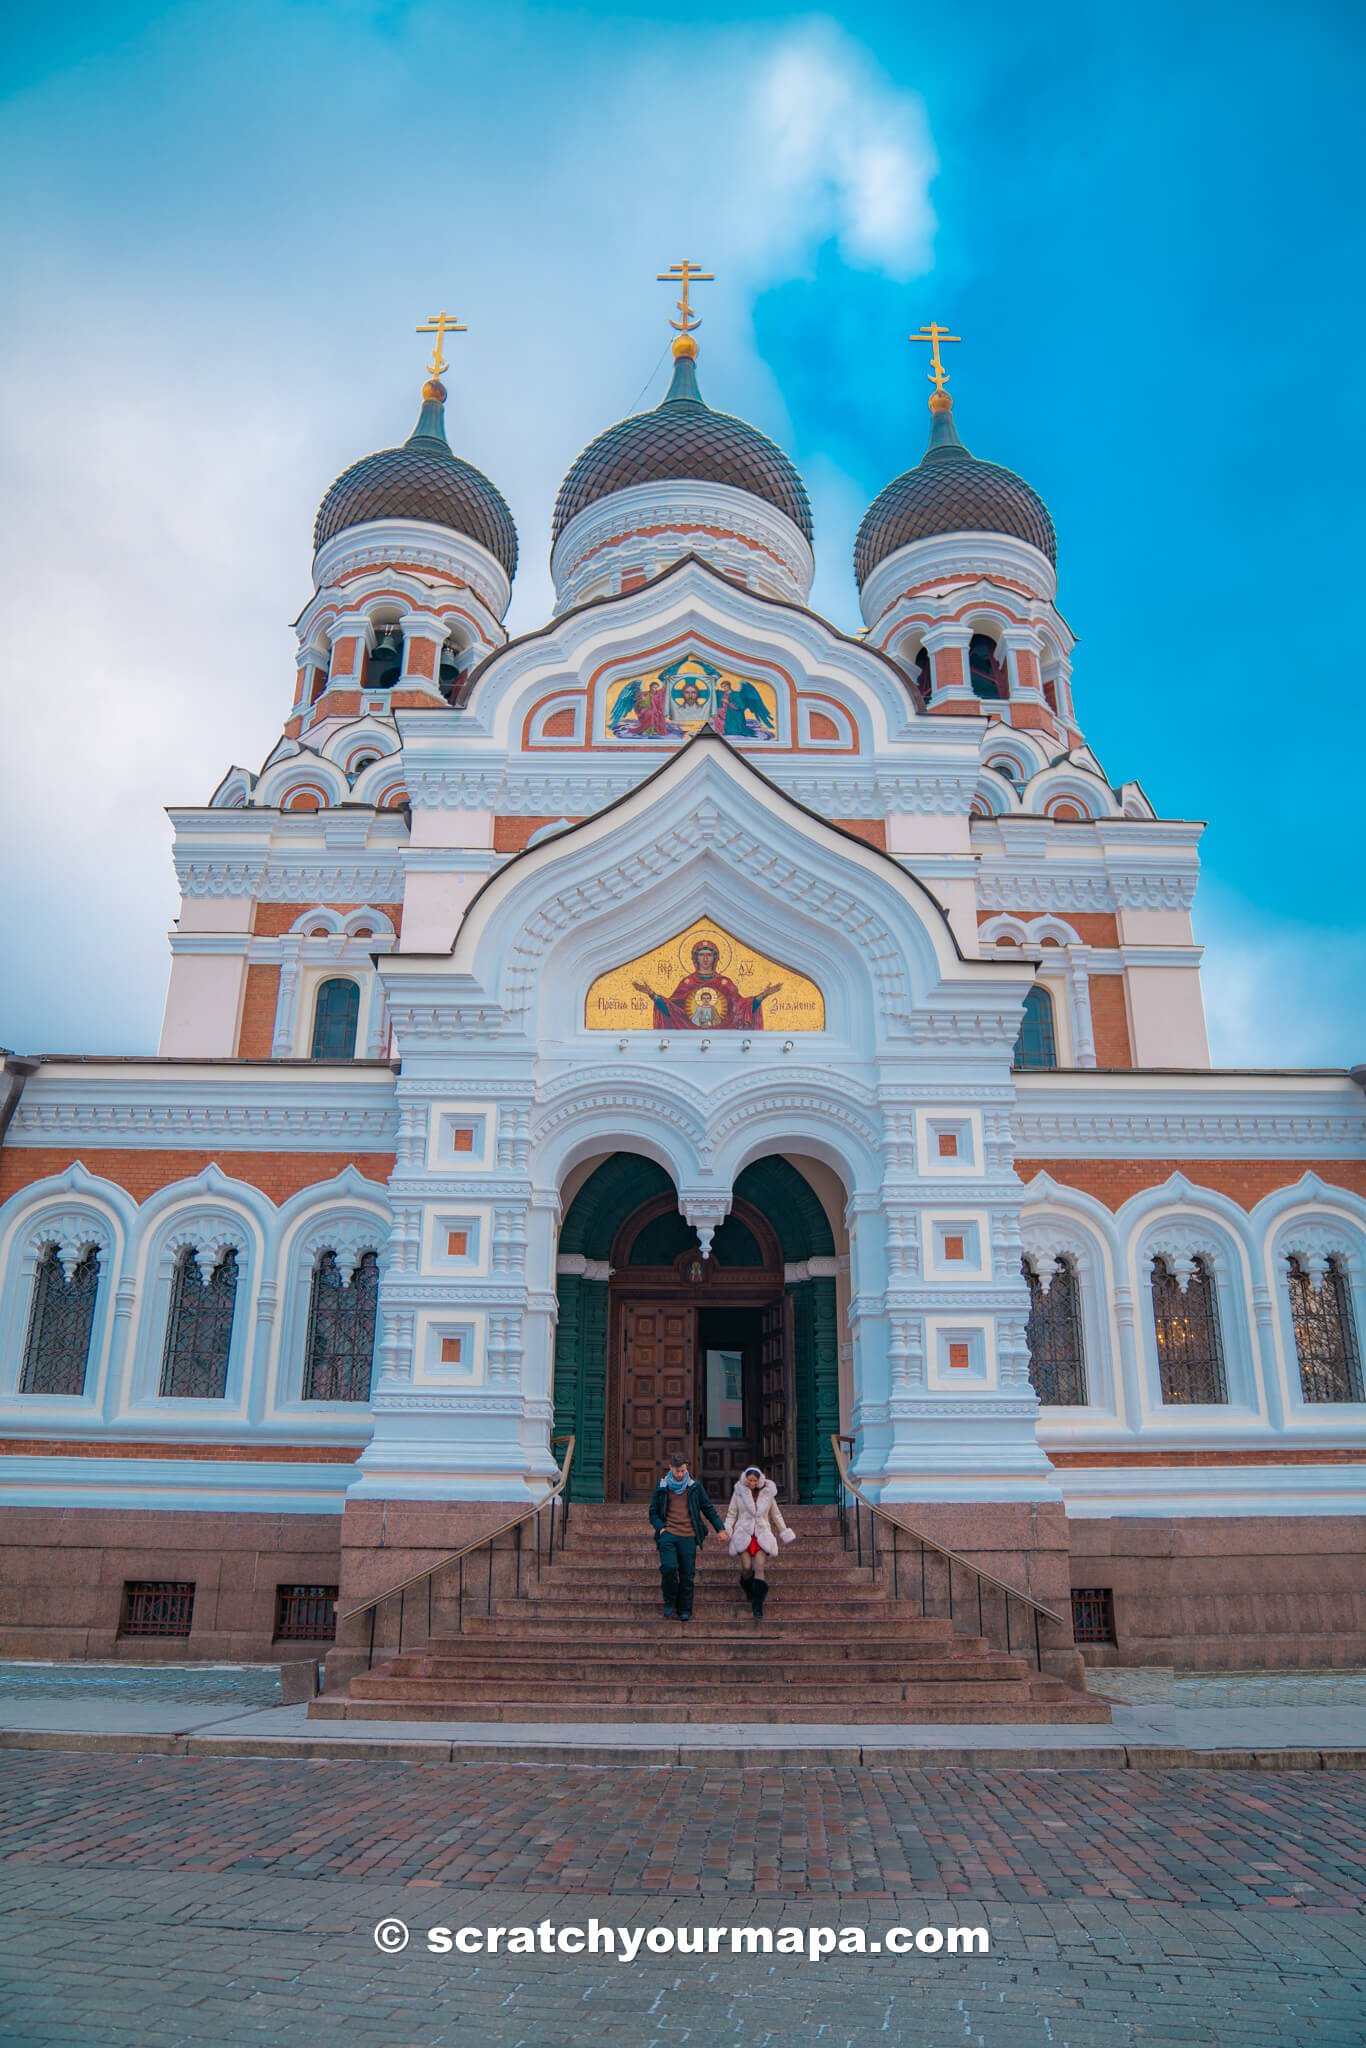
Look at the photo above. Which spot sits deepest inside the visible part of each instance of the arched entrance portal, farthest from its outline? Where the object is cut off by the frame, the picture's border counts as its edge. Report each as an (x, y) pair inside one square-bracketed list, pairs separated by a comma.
[(735, 1358)]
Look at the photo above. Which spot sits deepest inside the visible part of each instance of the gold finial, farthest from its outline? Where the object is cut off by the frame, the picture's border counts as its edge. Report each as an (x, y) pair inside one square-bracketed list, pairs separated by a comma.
[(937, 374), (684, 274), (441, 324)]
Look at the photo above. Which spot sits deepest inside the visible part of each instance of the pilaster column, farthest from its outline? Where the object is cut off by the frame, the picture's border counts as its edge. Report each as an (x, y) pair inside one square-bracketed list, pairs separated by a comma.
[(424, 636), (1079, 983), (351, 636), (948, 644)]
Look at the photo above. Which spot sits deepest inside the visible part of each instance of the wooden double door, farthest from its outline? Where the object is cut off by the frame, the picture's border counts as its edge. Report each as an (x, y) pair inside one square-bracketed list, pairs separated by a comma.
[(708, 1382)]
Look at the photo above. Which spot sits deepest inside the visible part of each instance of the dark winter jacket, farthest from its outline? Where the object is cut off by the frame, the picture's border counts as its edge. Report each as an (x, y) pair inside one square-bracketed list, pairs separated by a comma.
[(698, 1507)]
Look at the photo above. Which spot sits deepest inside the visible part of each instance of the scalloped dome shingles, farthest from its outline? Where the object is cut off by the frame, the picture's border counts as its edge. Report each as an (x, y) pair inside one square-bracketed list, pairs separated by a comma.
[(950, 491), (683, 440), (422, 480)]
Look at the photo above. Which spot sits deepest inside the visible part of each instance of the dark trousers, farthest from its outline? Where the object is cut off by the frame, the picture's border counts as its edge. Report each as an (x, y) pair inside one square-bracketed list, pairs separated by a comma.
[(677, 1570)]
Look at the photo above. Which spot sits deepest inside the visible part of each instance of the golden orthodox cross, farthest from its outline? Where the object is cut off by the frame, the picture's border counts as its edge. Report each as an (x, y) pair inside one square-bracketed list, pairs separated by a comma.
[(934, 334), (685, 273), (441, 324)]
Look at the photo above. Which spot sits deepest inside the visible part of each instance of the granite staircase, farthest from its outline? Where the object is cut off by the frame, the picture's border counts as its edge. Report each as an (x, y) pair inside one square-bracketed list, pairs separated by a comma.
[(589, 1643)]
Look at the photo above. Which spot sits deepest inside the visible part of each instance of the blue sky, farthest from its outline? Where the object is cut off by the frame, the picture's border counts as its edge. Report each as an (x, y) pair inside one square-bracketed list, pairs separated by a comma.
[(1147, 227)]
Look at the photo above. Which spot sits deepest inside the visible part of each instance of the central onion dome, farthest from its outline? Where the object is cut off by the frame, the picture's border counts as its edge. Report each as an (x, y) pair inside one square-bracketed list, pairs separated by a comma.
[(950, 491), (683, 440), (423, 480)]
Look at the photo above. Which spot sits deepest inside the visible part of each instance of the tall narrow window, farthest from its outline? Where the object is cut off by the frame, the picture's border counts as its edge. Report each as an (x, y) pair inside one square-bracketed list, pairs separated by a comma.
[(1057, 1362), (1190, 1350), (60, 1320), (384, 662), (194, 1364), (986, 672), (341, 1331), (1036, 1045), (923, 679), (335, 1015), (1325, 1334)]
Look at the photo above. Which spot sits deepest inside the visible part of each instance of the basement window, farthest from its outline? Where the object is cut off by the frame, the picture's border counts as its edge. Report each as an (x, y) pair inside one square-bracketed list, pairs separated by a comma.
[(157, 1607), (305, 1614), (1093, 1614)]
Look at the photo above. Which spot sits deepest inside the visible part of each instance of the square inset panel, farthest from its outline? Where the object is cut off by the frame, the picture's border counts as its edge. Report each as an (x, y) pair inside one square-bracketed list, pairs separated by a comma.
[(460, 1138), (957, 1247), (449, 1349), (960, 1356), (455, 1241), (949, 1141)]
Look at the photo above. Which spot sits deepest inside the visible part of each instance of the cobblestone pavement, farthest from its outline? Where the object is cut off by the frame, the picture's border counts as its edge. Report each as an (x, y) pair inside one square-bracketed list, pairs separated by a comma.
[(200, 1685), (206, 1902)]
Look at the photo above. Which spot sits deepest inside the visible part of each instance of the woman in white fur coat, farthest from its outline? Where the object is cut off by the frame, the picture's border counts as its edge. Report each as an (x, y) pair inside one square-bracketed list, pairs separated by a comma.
[(755, 1526)]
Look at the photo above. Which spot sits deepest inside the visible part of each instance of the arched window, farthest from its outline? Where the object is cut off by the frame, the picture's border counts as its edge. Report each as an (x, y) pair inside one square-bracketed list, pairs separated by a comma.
[(1190, 1349), (336, 1012), (986, 672), (1325, 1334), (1057, 1361), (384, 662), (57, 1345), (194, 1364), (1037, 1044), (923, 680), (448, 672), (341, 1330)]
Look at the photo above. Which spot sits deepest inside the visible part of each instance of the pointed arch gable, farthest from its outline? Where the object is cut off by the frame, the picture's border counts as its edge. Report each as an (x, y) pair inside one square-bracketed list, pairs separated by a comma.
[(708, 834)]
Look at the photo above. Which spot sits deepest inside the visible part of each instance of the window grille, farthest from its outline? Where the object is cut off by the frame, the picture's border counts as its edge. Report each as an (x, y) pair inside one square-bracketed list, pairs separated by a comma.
[(1093, 1614), (341, 1331), (194, 1364), (1057, 1360), (305, 1614), (157, 1607), (61, 1318), (1325, 1334), (1190, 1349), (1037, 1044), (336, 1013)]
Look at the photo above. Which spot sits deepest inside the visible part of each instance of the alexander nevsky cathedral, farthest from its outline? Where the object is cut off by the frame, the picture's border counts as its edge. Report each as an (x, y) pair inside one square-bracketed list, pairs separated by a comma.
[(682, 1027)]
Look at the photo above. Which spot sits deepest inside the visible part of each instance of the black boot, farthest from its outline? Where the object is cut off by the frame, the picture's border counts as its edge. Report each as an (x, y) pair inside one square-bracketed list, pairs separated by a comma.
[(669, 1587), (747, 1586), (758, 1597)]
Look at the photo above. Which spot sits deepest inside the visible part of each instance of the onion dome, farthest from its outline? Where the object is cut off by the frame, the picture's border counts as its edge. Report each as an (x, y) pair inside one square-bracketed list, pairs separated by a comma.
[(423, 480), (950, 491), (683, 440)]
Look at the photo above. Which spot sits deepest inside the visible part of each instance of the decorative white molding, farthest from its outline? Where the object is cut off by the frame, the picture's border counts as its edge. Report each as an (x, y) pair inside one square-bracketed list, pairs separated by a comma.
[(649, 526), (377, 543)]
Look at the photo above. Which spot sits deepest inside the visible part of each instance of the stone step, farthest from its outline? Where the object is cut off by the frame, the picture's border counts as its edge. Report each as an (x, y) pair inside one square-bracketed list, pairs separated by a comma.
[(726, 1623), (1024, 1711), (724, 1702), (519, 1671)]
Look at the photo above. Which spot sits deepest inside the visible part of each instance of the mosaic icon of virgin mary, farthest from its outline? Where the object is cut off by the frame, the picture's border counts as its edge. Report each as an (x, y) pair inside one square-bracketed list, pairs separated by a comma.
[(706, 1000)]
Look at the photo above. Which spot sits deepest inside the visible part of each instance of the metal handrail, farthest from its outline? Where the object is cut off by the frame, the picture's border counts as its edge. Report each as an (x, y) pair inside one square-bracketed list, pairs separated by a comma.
[(455, 1556), (876, 1512)]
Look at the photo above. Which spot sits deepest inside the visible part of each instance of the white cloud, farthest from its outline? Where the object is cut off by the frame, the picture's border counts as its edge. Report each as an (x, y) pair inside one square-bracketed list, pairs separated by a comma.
[(168, 484)]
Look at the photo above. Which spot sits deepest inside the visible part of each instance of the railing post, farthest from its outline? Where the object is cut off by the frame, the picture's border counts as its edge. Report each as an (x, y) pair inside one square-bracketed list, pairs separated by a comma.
[(370, 1660), (461, 1599), (922, 1578), (402, 1603), (517, 1580), (1038, 1650)]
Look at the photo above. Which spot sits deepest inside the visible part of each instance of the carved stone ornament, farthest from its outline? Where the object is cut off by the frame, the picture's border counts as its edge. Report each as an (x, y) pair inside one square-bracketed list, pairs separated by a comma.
[(348, 1241), (71, 1233), (1315, 1246), (1181, 1244), (210, 1238)]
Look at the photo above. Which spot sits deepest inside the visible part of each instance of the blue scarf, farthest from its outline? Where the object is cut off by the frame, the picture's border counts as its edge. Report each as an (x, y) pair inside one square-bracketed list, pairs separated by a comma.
[(676, 1485)]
